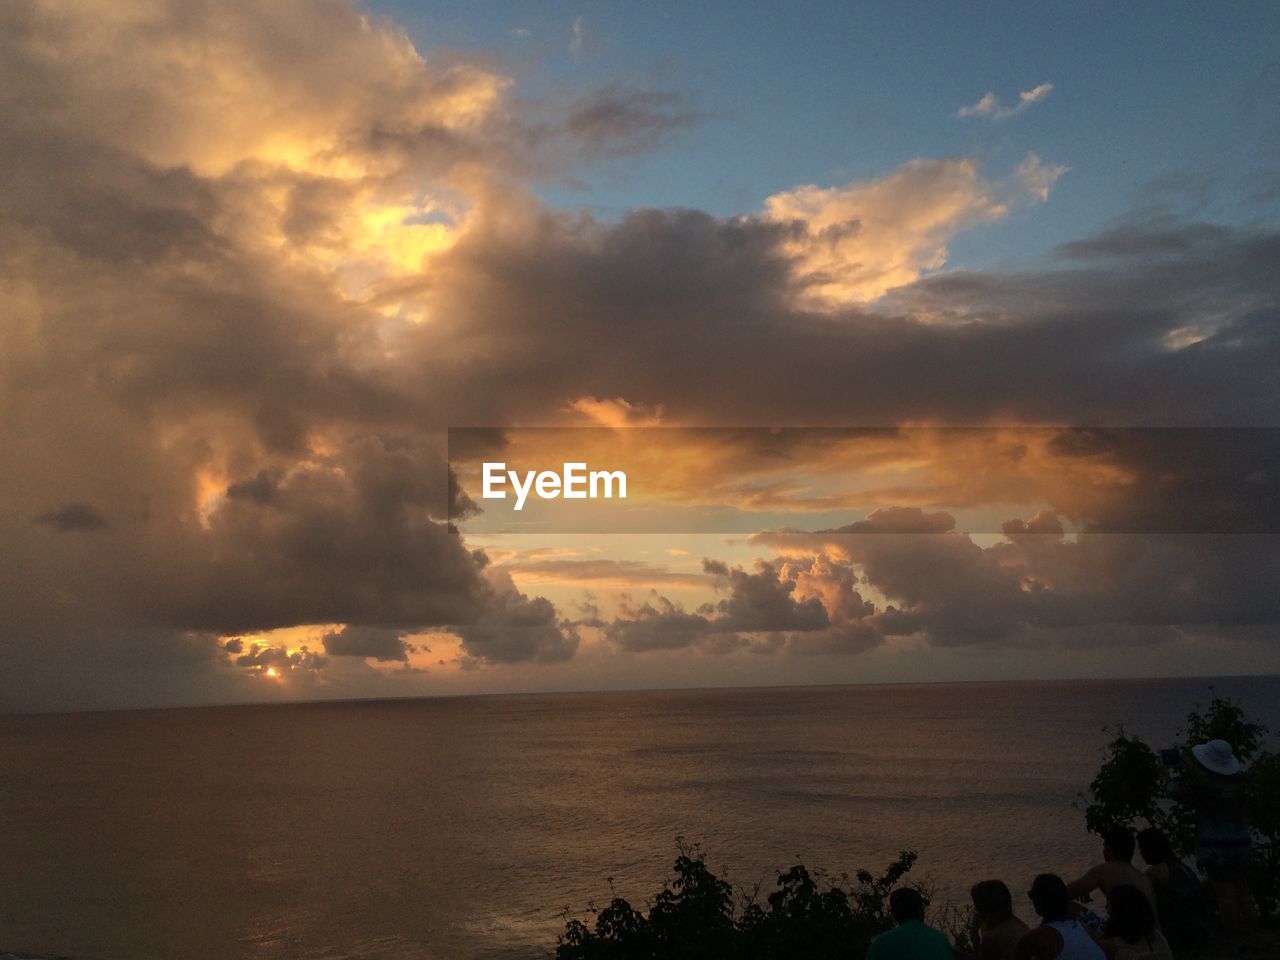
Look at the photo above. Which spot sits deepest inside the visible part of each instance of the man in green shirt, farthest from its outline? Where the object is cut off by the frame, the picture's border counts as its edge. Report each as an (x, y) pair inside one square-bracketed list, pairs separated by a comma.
[(912, 938)]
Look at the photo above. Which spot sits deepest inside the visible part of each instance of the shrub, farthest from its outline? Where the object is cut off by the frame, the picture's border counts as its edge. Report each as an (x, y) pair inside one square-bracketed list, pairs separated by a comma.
[(698, 916)]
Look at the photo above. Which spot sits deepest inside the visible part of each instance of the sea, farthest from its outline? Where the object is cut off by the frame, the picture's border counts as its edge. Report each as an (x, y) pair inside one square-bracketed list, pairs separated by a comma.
[(471, 827)]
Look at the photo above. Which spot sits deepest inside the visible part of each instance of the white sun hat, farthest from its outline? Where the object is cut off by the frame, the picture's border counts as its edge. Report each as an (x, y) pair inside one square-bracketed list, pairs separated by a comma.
[(1217, 757)]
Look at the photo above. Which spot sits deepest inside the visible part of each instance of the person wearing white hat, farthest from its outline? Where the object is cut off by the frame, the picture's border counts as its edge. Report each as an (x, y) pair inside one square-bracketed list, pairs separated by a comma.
[(1216, 756), (1214, 788)]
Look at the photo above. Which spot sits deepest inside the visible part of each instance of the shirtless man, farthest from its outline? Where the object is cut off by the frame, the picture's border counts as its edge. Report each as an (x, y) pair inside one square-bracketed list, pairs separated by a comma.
[(1116, 869)]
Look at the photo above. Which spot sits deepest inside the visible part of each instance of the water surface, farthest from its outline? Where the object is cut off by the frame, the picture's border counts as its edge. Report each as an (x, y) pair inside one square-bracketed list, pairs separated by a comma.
[(460, 828)]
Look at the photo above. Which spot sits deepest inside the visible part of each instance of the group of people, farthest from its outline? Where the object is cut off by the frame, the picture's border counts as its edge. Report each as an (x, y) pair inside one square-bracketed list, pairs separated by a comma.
[(1150, 913)]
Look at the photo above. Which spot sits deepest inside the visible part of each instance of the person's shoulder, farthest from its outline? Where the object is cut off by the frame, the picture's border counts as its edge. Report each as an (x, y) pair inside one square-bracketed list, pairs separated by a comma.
[(1140, 876), (939, 942), (1160, 948), (874, 948), (934, 933), (1039, 941), (882, 944), (888, 936)]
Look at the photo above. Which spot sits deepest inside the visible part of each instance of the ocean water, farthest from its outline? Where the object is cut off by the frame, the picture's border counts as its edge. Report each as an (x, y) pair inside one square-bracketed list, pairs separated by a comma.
[(462, 828)]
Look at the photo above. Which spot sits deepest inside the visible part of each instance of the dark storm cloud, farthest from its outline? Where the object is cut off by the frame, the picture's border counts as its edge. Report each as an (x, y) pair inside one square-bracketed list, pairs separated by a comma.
[(941, 585), (758, 603), (901, 520), (762, 602), (1148, 239), (262, 488), (514, 628), (680, 308), (1223, 480), (351, 538), (616, 120), (73, 517), (1046, 521), (379, 643), (657, 625), (1044, 586)]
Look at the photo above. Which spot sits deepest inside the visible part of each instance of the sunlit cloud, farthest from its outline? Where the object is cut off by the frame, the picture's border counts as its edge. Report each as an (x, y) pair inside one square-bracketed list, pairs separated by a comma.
[(616, 412), (989, 104), (852, 244), (602, 574), (257, 258)]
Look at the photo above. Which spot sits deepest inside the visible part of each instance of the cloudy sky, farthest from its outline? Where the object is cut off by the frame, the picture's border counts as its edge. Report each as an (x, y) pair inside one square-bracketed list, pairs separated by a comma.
[(256, 260)]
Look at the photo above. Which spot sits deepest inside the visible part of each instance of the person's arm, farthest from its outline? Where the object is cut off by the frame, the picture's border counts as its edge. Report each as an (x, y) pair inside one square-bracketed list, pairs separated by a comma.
[(1084, 886)]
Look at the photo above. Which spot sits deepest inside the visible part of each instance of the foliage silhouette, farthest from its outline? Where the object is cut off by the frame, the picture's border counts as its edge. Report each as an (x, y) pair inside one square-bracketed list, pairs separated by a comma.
[(697, 916)]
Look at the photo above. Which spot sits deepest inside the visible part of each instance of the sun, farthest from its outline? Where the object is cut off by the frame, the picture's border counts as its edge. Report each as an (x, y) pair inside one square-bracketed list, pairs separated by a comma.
[(273, 672)]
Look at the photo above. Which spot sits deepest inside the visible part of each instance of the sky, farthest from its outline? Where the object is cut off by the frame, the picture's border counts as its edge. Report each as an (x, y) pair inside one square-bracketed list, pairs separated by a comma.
[(1017, 273), (823, 93)]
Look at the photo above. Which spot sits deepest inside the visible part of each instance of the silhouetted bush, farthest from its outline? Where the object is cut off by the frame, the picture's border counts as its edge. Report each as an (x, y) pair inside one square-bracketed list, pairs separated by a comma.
[(698, 916)]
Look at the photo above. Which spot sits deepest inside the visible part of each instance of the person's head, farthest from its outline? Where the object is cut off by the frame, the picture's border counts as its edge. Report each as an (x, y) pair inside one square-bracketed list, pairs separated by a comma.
[(992, 901), (1154, 845), (906, 904), (1129, 914), (1117, 844), (1049, 897)]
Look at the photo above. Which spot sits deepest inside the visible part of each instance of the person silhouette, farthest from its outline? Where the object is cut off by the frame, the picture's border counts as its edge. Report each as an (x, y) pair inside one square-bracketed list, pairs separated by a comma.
[(1058, 937), (1214, 786), (996, 930), (1131, 932), (1116, 868), (912, 938)]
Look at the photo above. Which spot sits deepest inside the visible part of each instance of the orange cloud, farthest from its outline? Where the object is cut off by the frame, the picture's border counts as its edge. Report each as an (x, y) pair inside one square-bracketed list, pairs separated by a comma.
[(852, 244)]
